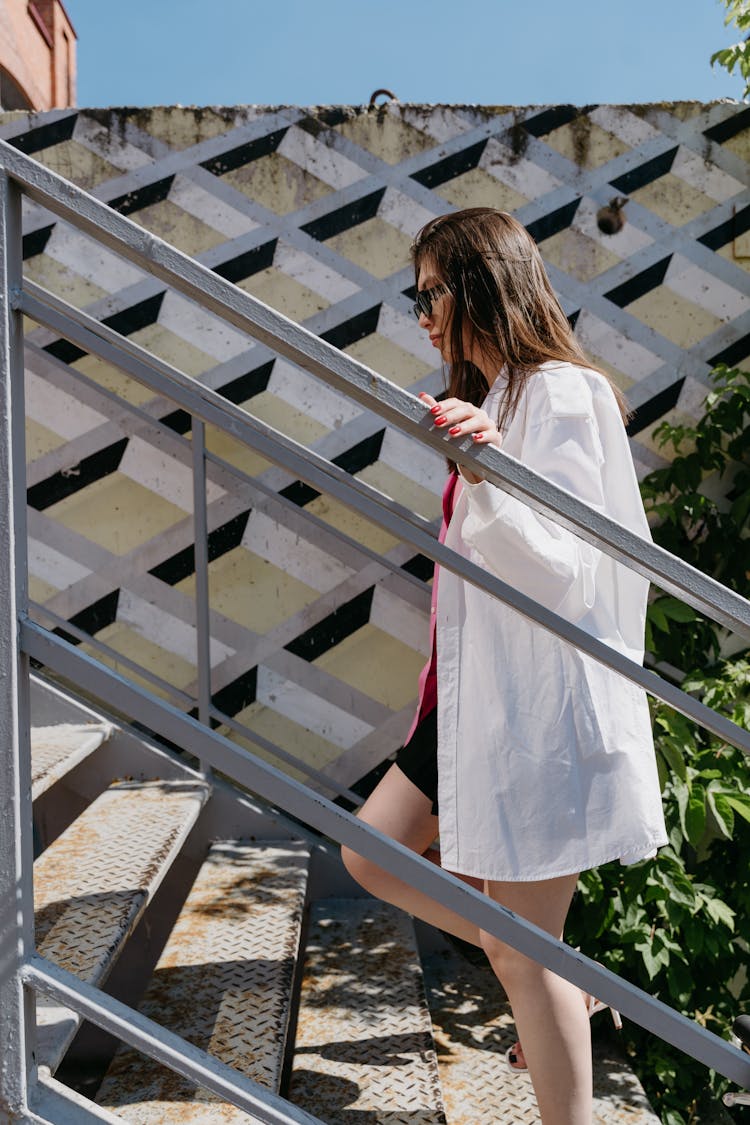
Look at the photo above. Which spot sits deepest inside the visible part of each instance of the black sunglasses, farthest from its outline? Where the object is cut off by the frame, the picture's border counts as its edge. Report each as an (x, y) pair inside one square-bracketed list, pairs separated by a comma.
[(423, 304)]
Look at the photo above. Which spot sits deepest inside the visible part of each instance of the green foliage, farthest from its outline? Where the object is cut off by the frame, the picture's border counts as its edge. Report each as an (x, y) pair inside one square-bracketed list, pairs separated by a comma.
[(678, 925), (738, 55), (701, 505)]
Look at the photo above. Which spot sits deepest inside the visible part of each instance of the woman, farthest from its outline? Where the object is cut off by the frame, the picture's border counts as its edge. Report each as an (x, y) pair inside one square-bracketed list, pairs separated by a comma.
[(544, 757)]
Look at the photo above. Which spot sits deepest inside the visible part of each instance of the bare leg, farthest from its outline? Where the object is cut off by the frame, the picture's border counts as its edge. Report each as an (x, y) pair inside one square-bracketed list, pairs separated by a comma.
[(550, 1013), (400, 810)]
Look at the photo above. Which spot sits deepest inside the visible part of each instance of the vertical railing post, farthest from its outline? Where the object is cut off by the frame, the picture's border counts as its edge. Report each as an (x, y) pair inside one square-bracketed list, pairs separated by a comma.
[(200, 532), (16, 846)]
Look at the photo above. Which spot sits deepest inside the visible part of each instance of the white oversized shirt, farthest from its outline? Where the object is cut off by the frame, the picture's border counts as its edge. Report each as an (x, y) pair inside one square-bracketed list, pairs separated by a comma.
[(545, 757)]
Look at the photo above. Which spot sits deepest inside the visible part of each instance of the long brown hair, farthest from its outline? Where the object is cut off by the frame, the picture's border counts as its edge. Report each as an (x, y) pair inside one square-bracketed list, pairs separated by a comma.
[(502, 302)]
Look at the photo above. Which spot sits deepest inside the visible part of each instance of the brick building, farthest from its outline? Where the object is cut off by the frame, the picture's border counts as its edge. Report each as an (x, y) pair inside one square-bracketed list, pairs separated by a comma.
[(37, 55)]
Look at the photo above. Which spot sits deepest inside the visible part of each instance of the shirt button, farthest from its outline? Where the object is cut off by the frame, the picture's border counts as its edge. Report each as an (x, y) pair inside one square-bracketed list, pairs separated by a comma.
[(433, 610)]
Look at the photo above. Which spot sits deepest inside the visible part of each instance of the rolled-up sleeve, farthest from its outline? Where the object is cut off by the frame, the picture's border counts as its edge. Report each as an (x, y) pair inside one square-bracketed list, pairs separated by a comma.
[(529, 550)]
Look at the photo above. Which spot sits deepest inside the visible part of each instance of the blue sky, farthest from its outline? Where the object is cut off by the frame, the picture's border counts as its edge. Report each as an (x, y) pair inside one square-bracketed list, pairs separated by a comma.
[(306, 52)]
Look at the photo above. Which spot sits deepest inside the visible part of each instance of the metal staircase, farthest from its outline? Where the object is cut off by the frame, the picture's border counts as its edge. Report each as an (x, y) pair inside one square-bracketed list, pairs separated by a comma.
[(133, 835), (231, 945)]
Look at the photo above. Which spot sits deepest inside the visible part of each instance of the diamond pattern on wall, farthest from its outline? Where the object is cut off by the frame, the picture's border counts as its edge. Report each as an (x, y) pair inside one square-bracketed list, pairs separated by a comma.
[(315, 645)]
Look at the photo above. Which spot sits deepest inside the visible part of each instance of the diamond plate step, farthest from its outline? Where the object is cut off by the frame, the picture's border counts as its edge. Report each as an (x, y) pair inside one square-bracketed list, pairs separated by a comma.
[(364, 1049), (57, 749), (92, 884), (223, 982), (473, 1027)]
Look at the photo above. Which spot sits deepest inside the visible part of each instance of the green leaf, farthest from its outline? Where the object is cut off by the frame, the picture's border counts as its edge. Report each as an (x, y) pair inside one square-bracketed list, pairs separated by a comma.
[(657, 617), (695, 815), (720, 913), (680, 888), (677, 611), (655, 956), (722, 811), (673, 756), (740, 802)]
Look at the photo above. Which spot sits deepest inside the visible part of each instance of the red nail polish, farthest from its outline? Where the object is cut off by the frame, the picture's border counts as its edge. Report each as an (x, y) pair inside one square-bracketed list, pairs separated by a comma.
[(477, 437), (435, 409), (441, 421), (454, 430)]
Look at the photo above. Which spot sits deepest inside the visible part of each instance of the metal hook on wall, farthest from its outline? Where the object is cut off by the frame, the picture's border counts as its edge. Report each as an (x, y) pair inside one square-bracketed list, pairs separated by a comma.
[(382, 93)]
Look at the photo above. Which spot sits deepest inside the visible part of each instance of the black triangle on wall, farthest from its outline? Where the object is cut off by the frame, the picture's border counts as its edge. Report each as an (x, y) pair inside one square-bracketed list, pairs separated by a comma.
[(450, 166), (88, 470), (139, 198), (642, 283), (645, 173), (334, 628), (346, 217), (45, 136), (650, 412), (245, 153)]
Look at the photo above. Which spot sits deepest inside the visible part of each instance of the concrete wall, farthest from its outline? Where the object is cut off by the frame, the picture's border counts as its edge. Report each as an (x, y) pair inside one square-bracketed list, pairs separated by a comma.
[(37, 54), (313, 211)]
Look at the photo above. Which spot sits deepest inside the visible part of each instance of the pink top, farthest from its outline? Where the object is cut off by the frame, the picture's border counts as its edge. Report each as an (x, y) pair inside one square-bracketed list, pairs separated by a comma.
[(427, 694)]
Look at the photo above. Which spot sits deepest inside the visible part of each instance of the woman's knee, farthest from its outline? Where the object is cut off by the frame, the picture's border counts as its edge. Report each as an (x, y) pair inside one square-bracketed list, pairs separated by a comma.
[(509, 966), (362, 870)]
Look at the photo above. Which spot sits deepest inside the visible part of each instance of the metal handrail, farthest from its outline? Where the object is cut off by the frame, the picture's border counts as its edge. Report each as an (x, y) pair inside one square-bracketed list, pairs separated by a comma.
[(397, 406), (215, 715), (209, 405), (295, 798), (284, 336)]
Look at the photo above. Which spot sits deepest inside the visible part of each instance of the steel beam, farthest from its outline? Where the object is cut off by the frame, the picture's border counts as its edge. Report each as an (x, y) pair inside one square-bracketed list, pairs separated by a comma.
[(298, 344), (16, 846), (163, 1045), (207, 404), (312, 809)]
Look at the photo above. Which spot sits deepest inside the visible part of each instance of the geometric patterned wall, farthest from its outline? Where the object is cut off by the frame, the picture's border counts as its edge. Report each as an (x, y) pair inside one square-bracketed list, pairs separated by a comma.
[(315, 646)]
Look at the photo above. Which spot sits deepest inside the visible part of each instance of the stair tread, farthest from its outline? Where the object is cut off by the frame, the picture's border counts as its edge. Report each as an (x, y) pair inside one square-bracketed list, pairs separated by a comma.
[(223, 982), (364, 1046), (55, 750), (473, 1027), (92, 884)]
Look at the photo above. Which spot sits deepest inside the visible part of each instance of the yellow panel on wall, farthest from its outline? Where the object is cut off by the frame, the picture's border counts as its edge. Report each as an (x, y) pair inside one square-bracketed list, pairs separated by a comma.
[(185, 231), (346, 520), (680, 320), (182, 130), (585, 143), (310, 747), (385, 134), (284, 293), (402, 488), (235, 452), (40, 440), (375, 246), (277, 183), (673, 200), (476, 188), (277, 412), (389, 359), (112, 379), (252, 591), (59, 279), (577, 255), (117, 513), (78, 163), (159, 661), (376, 663), (174, 349)]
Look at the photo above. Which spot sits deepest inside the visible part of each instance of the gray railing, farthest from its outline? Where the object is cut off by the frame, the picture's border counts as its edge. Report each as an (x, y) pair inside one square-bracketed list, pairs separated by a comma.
[(22, 971)]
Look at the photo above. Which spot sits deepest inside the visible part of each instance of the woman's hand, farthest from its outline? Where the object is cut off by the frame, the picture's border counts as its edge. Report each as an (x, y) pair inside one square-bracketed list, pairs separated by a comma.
[(459, 419)]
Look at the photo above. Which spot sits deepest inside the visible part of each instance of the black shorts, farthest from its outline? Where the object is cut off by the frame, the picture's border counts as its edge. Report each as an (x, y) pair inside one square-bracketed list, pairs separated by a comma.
[(418, 758)]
